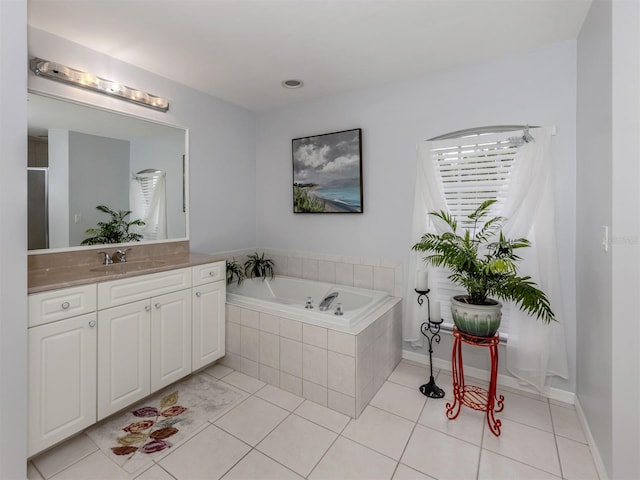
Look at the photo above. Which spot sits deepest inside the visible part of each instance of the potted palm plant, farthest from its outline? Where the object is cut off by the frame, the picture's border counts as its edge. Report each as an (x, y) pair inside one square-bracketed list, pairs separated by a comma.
[(484, 262), (115, 230)]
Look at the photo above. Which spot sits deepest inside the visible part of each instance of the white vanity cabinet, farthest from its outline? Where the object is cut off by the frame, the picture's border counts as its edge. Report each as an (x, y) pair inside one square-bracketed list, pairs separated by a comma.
[(62, 365), (98, 348), (209, 297), (146, 344)]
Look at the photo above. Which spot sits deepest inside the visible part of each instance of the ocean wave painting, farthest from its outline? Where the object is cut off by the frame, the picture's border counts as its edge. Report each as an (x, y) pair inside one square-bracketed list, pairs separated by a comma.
[(327, 173)]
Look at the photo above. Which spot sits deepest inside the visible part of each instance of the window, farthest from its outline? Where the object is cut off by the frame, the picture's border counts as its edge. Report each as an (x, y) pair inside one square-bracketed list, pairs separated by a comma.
[(471, 168)]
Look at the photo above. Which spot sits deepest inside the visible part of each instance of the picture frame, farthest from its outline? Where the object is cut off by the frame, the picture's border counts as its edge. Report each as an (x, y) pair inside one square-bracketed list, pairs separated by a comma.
[(327, 172)]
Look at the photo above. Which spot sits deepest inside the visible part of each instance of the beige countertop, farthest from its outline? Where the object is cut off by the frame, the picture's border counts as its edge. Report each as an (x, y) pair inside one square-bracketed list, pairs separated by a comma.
[(62, 276)]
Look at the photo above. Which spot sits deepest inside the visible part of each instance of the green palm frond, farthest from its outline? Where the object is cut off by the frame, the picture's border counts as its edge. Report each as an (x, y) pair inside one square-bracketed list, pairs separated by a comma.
[(483, 261), (114, 231)]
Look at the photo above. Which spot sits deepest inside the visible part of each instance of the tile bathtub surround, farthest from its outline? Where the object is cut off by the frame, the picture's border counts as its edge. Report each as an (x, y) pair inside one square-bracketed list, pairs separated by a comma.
[(274, 434), (362, 272), (336, 369)]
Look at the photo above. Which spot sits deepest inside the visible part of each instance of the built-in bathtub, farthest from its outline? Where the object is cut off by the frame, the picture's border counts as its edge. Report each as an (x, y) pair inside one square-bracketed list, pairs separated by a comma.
[(339, 361), (302, 298)]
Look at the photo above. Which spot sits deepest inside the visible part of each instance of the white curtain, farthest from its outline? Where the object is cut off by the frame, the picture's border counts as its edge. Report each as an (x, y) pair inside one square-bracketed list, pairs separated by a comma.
[(150, 206), (535, 351), (428, 198)]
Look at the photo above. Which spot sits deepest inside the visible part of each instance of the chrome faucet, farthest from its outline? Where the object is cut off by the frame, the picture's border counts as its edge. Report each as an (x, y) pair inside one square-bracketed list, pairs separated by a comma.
[(120, 256), (326, 302), (107, 258)]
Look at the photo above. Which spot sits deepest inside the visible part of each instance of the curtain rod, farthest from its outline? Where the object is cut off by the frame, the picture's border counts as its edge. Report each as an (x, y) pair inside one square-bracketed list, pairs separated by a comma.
[(490, 129)]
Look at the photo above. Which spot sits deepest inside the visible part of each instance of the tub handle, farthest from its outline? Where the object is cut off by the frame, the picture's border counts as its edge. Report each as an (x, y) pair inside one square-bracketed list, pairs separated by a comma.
[(339, 311), (309, 304)]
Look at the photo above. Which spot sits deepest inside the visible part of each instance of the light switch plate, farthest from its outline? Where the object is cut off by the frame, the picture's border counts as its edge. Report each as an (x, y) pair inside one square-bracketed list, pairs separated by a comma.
[(605, 238)]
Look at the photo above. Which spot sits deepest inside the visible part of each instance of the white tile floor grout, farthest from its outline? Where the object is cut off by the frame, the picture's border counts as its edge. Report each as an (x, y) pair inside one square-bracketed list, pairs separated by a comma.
[(400, 435)]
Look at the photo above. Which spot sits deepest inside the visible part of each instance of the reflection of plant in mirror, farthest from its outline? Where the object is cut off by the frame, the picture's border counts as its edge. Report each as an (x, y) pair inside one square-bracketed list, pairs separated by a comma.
[(234, 269), (258, 266), (114, 231)]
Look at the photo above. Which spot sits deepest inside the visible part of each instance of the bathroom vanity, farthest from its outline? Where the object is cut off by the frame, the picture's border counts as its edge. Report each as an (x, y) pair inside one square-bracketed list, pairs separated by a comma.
[(103, 337)]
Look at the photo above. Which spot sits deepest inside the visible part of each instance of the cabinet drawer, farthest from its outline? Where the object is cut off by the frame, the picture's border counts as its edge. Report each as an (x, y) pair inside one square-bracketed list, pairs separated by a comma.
[(55, 305), (127, 290), (210, 272)]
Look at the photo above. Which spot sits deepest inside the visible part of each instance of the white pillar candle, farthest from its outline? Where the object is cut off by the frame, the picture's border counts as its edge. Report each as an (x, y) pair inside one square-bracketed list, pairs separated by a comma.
[(422, 282), (434, 313)]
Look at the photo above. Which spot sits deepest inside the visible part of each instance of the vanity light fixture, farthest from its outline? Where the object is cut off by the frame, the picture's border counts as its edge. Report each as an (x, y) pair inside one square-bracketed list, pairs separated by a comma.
[(78, 78)]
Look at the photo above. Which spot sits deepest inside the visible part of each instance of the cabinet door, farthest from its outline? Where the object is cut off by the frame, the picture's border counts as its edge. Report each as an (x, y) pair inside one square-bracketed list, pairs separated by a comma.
[(62, 380), (123, 356), (208, 323), (170, 338)]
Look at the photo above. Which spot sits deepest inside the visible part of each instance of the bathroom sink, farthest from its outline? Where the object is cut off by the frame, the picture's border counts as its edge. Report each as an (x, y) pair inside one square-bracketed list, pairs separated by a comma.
[(133, 266)]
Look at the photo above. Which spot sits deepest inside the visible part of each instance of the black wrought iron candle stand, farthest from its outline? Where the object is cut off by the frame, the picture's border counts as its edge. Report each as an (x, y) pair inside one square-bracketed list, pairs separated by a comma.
[(431, 330)]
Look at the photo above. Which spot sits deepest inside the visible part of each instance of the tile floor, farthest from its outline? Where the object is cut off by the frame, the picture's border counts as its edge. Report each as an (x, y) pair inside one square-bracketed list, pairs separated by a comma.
[(400, 435)]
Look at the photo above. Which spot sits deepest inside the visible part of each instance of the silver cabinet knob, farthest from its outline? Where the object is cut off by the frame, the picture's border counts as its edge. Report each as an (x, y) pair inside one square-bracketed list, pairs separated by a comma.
[(147, 308), (198, 294), (92, 323), (65, 305), (157, 305)]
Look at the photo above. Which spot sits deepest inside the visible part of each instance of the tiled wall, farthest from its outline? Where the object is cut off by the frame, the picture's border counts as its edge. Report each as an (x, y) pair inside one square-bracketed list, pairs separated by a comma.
[(335, 369), (371, 273)]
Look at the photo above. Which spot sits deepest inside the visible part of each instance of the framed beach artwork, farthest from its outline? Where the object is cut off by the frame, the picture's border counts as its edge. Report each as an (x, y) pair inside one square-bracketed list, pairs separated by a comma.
[(327, 173)]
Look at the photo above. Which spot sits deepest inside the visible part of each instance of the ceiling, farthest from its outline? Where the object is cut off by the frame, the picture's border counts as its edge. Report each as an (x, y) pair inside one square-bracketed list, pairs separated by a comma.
[(241, 50)]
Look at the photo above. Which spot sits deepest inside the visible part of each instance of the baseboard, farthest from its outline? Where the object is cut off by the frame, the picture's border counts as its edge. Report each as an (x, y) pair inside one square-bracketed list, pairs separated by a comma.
[(503, 380), (595, 453)]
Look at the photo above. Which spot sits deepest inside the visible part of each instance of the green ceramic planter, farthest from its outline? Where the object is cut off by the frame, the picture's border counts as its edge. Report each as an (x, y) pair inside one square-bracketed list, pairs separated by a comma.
[(477, 320)]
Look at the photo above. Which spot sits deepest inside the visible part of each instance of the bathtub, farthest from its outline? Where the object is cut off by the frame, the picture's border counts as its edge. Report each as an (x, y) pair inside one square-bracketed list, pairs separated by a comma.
[(339, 361), (289, 295)]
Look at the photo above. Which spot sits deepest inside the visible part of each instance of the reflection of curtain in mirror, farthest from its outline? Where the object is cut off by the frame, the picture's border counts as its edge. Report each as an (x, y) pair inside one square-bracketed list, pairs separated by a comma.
[(148, 201)]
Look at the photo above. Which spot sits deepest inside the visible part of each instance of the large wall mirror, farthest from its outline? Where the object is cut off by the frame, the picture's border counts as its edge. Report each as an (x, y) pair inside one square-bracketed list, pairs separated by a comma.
[(80, 157)]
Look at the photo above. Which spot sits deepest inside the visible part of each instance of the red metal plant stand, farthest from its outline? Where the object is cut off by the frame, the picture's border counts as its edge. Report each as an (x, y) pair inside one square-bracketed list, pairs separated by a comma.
[(474, 397)]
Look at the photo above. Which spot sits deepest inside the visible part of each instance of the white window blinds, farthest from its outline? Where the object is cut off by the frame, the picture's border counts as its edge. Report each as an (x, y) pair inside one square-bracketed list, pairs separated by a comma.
[(470, 170)]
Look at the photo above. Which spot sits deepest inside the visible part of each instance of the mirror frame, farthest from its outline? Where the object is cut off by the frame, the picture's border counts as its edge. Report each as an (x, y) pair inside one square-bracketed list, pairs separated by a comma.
[(185, 180)]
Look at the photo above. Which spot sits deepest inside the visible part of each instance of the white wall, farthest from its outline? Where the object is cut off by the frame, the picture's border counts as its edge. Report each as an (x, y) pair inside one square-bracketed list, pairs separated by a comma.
[(535, 87), (58, 187), (13, 240), (594, 207), (608, 112), (221, 139), (625, 251), (98, 175)]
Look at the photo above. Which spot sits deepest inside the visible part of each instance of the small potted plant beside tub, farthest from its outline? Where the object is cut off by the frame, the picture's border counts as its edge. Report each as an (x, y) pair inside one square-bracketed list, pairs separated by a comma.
[(484, 262), (234, 271), (258, 266)]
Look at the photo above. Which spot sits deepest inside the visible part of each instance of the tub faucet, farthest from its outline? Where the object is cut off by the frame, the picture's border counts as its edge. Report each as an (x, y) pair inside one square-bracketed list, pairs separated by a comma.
[(326, 302)]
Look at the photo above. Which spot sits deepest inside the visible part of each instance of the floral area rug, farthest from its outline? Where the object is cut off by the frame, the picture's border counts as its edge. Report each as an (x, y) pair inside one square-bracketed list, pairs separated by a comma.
[(153, 427)]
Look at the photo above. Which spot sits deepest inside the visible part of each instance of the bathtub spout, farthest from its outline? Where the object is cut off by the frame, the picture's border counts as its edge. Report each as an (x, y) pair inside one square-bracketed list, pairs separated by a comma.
[(326, 302)]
